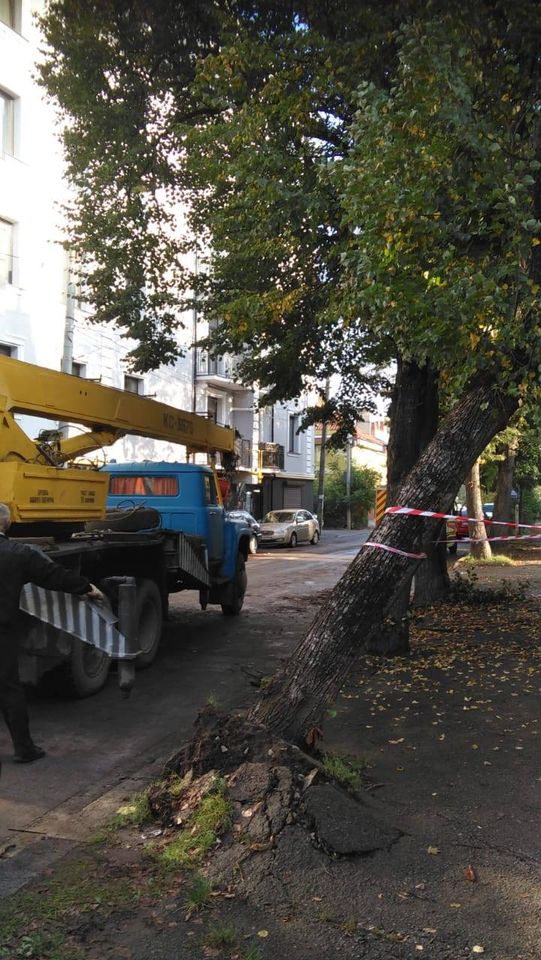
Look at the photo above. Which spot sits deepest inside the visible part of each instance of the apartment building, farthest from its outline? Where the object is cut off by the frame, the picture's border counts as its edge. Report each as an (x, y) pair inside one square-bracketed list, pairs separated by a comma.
[(39, 325)]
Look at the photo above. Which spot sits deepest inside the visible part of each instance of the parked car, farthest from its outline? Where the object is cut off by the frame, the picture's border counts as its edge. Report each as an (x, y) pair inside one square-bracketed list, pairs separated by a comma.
[(290, 527), (459, 529), (252, 523)]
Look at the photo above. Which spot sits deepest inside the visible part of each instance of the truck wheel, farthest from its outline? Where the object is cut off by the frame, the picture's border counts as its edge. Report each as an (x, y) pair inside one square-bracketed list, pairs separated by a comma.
[(148, 618), (253, 545), (237, 589), (85, 673)]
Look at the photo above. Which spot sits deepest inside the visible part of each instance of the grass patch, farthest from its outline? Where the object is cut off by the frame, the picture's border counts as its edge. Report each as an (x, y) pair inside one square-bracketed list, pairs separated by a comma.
[(33, 924), (496, 560), (203, 828), (221, 935), (253, 953), (135, 813), (346, 770), (198, 893)]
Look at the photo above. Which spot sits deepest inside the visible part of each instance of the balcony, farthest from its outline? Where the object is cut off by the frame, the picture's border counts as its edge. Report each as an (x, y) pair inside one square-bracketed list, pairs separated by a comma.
[(243, 450), (218, 371), (271, 456)]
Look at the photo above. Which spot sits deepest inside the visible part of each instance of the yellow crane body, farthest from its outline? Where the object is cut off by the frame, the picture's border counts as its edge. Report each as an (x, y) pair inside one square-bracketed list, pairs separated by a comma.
[(35, 480)]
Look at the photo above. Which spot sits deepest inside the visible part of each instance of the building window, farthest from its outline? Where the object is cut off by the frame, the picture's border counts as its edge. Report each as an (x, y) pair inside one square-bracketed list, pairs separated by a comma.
[(212, 409), (8, 350), (6, 253), (133, 384), (7, 124), (78, 369), (8, 13), (294, 439)]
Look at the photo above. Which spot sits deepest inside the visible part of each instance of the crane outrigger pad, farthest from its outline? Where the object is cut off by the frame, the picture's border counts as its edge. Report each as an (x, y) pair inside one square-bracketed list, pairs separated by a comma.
[(90, 622)]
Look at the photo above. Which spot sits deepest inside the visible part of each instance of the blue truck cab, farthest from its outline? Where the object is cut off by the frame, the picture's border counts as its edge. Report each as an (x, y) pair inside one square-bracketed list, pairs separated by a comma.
[(186, 497)]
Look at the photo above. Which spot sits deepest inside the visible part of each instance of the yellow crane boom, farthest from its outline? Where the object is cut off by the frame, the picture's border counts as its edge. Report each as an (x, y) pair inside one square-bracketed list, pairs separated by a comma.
[(33, 479)]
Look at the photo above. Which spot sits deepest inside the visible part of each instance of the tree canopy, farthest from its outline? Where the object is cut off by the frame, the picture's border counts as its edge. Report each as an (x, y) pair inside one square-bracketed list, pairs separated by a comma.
[(363, 180)]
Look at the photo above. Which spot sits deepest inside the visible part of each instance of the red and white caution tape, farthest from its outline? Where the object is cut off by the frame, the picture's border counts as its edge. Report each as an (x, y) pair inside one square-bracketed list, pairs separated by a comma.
[(412, 512), (401, 553), (527, 536), (432, 515)]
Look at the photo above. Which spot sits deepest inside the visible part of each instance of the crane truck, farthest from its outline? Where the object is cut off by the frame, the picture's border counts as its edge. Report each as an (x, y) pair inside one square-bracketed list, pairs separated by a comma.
[(162, 525)]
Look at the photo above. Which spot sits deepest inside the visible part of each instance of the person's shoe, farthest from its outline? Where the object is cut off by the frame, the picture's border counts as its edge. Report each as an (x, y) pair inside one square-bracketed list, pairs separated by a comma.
[(28, 756)]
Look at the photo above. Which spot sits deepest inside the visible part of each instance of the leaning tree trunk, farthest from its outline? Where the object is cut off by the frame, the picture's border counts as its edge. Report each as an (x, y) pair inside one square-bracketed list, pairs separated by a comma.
[(503, 505), (296, 699), (431, 581), (414, 420), (479, 546)]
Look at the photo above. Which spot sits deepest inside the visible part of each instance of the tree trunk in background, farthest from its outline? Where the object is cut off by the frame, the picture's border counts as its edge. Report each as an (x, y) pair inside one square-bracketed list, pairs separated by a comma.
[(474, 506), (414, 420), (503, 503), (295, 700)]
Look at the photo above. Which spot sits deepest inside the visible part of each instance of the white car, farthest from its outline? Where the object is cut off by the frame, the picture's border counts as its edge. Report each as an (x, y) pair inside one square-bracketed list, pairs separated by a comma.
[(290, 527)]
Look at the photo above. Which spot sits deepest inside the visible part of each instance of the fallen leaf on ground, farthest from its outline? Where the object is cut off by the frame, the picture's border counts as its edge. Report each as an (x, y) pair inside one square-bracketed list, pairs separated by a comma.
[(433, 850), (470, 873), (477, 948), (314, 734), (263, 933)]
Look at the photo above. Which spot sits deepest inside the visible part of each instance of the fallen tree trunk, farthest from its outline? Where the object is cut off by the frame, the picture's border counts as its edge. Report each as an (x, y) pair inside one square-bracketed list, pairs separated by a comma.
[(294, 702)]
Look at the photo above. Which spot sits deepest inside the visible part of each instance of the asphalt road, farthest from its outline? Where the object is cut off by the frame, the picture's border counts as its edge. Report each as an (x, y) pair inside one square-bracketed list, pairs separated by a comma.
[(101, 749)]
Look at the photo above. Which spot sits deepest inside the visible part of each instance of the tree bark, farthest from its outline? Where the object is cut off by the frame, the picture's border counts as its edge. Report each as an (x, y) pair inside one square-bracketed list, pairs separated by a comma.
[(479, 547), (295, 700), (503, 504), (414, 419)]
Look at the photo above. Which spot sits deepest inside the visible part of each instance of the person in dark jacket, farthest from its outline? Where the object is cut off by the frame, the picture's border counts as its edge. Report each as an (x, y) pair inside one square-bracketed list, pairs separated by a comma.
[(19, 564)]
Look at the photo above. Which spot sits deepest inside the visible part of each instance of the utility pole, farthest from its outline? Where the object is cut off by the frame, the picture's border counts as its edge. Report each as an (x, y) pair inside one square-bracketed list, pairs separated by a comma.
[(321, 472), (321, 477), (66, 363), (348, 482), (194, 338)]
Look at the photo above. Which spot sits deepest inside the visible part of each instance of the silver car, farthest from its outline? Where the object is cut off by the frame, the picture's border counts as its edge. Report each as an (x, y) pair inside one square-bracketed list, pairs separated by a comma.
[(289, 527)]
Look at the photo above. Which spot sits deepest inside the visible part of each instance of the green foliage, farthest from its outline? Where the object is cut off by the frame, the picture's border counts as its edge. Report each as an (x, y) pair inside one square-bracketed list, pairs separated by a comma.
[(135, 812), (221, 935), (203, 828), (438, 195), (362, 183), (363, 490), (497, 560), (346, 770), (78, 887), (198, 892), (531, 505), (253, 953)]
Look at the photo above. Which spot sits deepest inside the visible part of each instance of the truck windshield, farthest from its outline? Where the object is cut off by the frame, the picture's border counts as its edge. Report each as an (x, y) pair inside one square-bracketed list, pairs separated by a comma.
[(134, 486)]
